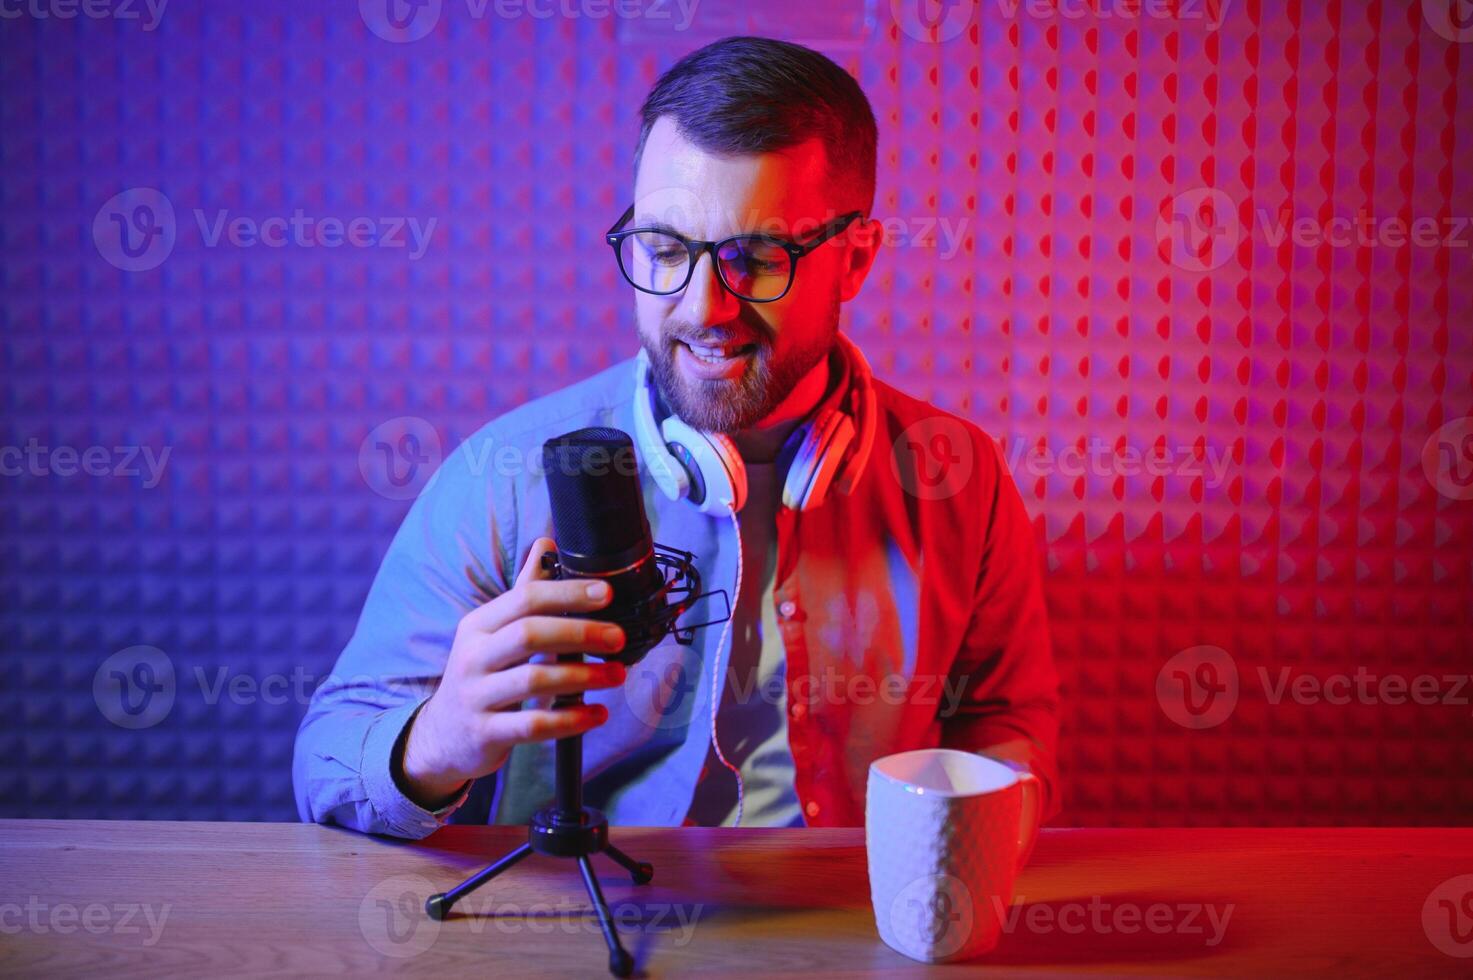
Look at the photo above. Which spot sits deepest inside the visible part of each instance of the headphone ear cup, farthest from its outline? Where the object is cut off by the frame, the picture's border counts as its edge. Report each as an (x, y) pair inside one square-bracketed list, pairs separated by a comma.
[(713, 464), (816, 459)]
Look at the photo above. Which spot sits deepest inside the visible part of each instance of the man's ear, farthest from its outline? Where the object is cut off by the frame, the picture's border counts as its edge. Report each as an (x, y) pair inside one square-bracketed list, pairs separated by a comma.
[(864, 244)]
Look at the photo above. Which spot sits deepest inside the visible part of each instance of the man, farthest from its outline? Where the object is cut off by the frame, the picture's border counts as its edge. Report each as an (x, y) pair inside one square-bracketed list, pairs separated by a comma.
[(881, 608)]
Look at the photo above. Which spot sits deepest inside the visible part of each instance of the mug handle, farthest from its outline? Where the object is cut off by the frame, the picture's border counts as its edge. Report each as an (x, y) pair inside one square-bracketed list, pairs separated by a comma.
[(1032, 791)]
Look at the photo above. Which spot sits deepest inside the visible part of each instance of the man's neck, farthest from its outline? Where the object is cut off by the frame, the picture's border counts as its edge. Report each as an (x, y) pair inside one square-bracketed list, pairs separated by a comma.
[(761, 442)]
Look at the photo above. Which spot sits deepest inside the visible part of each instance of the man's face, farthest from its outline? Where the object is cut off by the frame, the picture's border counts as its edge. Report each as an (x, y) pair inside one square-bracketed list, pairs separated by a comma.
[(768, 347)]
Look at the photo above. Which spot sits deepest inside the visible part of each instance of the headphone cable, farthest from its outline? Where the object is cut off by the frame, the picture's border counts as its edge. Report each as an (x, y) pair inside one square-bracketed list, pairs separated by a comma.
[(716, 674)]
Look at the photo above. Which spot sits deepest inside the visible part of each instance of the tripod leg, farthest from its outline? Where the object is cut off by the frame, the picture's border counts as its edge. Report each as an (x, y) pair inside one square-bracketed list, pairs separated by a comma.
[(438, 906), (640, 871), (621, 964)]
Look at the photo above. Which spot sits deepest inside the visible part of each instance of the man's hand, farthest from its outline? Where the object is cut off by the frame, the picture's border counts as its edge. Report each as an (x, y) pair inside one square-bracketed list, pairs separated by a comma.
[(468, 726)]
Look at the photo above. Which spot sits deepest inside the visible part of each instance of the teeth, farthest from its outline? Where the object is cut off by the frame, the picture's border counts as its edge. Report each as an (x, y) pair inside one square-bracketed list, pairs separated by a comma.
[(713, 355)]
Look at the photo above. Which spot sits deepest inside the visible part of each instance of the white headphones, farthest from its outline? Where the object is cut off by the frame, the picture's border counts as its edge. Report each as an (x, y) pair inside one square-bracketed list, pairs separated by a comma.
[(706, 468)]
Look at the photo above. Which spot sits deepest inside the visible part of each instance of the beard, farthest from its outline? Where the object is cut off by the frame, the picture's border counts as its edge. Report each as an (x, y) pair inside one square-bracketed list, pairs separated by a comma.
[(731, 405)]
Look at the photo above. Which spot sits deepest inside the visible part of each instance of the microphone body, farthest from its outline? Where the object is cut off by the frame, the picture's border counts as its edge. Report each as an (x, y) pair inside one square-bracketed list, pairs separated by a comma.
[(602, 532)]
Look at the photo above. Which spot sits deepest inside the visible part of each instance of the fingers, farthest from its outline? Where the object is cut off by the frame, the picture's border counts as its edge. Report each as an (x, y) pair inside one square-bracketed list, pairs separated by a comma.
[(532, 569), (512, 687), (539, 597), (538, 724), (519, 640)]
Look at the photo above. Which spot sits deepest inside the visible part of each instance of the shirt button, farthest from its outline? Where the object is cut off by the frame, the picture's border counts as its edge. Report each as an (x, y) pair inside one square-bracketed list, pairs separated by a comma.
[(788, 608), (799, 710), (811, 809)]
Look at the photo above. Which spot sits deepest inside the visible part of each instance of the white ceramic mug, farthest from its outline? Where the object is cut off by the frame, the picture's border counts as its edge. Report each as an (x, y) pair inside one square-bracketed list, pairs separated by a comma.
[(946, 833)]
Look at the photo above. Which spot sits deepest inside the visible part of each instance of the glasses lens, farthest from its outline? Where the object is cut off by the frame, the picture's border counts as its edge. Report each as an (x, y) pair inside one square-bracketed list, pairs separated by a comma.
[(755, 268), (654, 261)]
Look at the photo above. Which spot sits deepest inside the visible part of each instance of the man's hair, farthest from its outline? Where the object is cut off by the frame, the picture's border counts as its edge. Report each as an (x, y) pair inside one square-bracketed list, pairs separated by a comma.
[(758, 95)]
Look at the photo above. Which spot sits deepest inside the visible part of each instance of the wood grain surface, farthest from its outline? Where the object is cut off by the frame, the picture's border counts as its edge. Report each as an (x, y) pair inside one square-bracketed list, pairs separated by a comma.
[(163, 899)]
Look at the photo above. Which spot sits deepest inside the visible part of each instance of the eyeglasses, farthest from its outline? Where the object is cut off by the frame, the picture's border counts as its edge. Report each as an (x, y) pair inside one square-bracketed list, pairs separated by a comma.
[(757, 268)]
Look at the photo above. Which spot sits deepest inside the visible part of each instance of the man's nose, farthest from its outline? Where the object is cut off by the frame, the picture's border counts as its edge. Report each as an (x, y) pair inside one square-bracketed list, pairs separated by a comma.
[(705, 301)]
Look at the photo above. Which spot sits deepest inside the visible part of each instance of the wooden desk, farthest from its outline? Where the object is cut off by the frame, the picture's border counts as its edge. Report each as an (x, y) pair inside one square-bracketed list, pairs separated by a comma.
[(123, 899)]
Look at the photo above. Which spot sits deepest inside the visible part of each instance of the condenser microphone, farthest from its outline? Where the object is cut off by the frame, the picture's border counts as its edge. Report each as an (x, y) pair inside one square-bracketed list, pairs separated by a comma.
[(602, 531)]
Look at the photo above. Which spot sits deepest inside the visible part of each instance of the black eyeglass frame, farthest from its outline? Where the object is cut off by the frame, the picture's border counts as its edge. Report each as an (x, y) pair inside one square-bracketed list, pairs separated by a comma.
[(695, 248)]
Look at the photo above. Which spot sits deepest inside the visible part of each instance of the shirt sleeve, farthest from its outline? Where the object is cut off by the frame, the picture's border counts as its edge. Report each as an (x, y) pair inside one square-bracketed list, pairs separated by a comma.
[(444, 561), (1009, 705)]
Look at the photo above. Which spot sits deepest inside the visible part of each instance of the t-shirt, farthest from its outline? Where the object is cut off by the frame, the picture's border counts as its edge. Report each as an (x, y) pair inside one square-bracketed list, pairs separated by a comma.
[(753, 721)]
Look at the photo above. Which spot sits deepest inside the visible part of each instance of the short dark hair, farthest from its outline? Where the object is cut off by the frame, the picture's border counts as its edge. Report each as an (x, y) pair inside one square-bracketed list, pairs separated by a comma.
[(759, 95)]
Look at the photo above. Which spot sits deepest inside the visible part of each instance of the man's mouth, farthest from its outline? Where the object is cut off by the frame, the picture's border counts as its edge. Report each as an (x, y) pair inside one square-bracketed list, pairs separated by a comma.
[(713, 362), (718, 354)]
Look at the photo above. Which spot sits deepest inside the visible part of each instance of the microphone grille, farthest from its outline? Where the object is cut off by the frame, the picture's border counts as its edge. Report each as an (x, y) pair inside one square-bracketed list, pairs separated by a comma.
[(593, 488)]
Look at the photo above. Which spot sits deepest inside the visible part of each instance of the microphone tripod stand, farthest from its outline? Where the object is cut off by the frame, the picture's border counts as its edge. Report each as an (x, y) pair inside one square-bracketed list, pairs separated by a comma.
[(567, 829)]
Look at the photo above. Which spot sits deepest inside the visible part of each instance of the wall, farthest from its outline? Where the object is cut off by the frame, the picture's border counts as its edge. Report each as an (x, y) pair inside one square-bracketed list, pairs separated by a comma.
[(1115, 246)]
